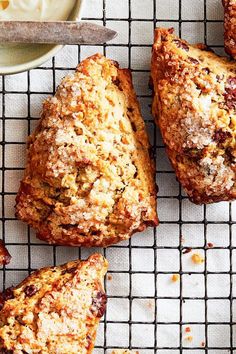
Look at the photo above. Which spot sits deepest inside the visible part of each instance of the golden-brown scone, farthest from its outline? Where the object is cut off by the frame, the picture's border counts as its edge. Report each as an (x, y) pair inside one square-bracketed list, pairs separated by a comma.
[(195, 107), (5, 256), (55, 310), (89, 178), (230, 26)]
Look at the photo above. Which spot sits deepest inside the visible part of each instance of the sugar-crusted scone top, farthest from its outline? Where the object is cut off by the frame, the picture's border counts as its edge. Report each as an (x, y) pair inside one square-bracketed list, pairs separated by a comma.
[(89, 178), (195, 106), (55, 310)]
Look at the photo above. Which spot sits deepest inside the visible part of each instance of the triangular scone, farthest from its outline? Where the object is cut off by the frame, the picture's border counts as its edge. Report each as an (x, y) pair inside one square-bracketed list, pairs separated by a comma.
[(195, 107), (230, 26), (89, 177), (55, 310)]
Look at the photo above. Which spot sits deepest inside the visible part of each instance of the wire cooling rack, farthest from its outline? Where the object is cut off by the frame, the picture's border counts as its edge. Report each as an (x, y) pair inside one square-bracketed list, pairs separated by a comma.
[(146, 311)]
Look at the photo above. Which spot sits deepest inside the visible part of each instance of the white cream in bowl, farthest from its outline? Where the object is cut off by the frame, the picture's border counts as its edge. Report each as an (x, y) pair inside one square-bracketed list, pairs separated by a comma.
[(36, 10), (16, 58)]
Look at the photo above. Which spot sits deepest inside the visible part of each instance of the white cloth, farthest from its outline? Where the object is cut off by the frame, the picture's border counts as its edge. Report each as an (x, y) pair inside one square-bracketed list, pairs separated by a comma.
[(149, 265)]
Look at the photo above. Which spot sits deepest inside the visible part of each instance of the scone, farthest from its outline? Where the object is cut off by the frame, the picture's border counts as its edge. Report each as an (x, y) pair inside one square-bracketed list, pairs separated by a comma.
[(89, 179), (230, 26), (195, 107), (55, 310)]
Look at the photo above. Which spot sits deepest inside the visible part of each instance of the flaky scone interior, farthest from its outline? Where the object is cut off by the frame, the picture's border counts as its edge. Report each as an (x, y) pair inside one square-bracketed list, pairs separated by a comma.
[(195, 107), (90, 178), (55, 310)]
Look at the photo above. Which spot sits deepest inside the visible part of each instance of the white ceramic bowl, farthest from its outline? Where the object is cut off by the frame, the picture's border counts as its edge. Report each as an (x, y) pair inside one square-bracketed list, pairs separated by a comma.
[(18, 58)]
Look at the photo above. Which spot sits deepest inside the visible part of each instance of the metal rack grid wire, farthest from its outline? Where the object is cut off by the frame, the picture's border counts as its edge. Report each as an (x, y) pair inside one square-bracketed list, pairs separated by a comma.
[(146, 310)]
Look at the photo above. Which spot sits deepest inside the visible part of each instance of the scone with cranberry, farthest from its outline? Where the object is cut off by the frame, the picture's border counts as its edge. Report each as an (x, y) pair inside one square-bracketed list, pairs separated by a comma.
[(55, 310), (195, 107), (230, 26)]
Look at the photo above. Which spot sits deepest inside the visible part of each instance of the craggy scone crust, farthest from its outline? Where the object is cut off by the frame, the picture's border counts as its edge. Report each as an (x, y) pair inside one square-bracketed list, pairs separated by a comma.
[(89, 178), (55, 310), (230, 26), (195, 107)]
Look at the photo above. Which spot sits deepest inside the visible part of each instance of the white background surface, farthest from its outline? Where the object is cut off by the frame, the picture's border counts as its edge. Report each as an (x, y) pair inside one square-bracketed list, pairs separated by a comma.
[(145, 307)]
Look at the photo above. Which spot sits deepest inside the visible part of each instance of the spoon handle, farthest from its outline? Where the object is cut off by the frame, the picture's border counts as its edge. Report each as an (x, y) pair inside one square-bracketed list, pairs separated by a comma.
[(61, 32)]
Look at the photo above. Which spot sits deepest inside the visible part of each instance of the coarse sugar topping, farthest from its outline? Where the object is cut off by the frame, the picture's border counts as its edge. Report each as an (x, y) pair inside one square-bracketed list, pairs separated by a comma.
[(89, 167), (195, 105)]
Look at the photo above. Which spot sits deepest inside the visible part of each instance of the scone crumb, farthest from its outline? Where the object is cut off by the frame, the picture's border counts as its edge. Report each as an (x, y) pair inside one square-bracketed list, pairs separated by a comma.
[(203, 344), (189, 338), (109, 277), (175, 278), (197, 258), (151, 304), (188, 329)]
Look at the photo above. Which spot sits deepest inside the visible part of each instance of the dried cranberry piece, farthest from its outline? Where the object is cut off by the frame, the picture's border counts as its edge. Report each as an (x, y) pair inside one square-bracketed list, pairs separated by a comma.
[(99, 304), (6, 351), (221, 136), (230, 155), (187, 250), (117, 82), (193, 60), (230, 93), (68, 226), (210, 245), (133, 126), (6, 295), (206, 70), (69, 270), (130, 109), (181, 44), (30, 290)]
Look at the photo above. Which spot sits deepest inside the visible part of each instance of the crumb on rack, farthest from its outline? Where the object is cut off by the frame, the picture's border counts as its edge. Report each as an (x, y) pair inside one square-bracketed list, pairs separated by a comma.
[(4, 4), (203, 344), (197, 258), (109, 277), (151, 304), (189, 338), (187, 250), (175, 278), (188, 329), (210, 245)]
